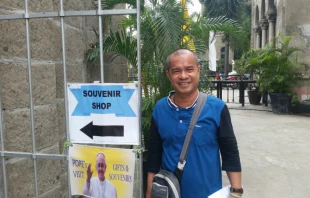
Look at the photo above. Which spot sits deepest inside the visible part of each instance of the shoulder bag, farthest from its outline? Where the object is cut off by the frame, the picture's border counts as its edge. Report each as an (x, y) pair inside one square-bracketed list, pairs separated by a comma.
[(166, 184)]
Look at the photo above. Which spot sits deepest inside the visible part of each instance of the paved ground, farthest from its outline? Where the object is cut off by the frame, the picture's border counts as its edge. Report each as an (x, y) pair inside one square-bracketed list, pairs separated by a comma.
[(274, 150)]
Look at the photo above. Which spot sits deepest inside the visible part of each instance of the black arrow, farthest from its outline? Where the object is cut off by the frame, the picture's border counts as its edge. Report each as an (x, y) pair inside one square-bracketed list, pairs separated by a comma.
[(112, 130)]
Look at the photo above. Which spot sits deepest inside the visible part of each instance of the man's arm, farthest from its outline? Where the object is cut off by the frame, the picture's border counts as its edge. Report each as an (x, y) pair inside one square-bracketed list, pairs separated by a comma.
[(150, 177), (86, 187), (86, 190), (235, 179), (154, 156), (229, 150)]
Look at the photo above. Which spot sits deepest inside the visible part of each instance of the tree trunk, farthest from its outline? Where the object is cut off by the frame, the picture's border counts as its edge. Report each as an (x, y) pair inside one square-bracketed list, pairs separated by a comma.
[(226, 58)]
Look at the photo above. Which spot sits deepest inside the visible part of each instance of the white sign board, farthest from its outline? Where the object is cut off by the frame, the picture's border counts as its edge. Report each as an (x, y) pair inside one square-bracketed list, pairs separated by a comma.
[(103, 113)]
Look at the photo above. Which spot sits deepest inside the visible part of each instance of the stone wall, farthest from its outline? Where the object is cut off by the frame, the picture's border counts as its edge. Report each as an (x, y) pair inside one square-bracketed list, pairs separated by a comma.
[(280, 22), (299, 25), (303, 90), (47, 87)]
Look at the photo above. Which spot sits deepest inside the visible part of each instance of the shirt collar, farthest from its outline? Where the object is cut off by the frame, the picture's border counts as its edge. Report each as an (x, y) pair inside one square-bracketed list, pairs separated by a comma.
[(172, 105)]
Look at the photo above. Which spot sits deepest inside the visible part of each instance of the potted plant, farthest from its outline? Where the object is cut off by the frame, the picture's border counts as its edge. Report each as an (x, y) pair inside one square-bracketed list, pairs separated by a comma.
[(250, 63), (254, 94), (279, 73)]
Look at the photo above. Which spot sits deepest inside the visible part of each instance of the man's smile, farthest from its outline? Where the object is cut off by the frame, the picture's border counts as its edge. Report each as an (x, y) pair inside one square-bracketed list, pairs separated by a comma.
[(184, 83)]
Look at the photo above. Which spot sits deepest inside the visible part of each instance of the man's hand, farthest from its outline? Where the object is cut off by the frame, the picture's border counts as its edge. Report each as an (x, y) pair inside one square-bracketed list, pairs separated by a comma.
[(235, 181), (89, 173)]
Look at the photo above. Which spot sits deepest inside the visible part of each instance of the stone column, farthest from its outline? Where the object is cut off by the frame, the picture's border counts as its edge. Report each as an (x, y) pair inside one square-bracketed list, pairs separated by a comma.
[(264, 25), (272, 16), (258, 40), (257, 30), (271, 30)]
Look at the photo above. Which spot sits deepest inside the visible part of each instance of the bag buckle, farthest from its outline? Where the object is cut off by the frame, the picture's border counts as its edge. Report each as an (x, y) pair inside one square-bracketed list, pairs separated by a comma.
[(181, 165)]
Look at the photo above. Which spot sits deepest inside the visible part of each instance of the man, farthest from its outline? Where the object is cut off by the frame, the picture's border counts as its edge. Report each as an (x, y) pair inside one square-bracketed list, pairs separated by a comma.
[(99, 187), (213, 132)]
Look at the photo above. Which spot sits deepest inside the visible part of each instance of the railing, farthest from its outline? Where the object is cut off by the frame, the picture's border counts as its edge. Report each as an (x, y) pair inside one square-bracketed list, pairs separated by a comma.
[(132, 78), (231, 86)]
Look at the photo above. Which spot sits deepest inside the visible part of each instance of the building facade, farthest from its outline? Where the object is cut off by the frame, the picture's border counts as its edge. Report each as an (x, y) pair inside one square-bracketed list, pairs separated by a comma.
[(271, 18)]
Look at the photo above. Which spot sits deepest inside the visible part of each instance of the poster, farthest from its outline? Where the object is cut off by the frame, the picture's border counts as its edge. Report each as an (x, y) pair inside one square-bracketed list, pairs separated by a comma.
[(112, 171), (103, 113)]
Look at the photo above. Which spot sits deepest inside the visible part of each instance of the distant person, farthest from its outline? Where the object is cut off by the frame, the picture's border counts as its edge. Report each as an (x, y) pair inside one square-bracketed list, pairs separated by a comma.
[(99, 187), (217, 76)]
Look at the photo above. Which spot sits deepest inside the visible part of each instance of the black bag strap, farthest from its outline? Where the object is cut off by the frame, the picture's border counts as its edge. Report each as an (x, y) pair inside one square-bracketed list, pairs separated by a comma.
[(202, 99)]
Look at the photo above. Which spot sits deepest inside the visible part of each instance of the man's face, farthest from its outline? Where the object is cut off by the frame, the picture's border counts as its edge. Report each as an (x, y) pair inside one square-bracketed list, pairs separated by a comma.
[(184, 73), (101, 167)]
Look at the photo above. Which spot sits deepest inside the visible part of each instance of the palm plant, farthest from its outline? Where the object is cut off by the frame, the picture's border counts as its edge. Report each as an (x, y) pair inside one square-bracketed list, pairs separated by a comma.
[(280, 67), (280, 73), (161, 34), (251, 62)]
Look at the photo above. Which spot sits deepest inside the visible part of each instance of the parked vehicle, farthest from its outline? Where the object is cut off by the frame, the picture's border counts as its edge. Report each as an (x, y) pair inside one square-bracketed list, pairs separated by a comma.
[(231, 78)]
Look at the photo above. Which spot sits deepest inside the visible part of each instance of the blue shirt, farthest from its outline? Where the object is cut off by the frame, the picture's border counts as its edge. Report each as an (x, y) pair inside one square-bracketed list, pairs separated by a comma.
[(202, 172)]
